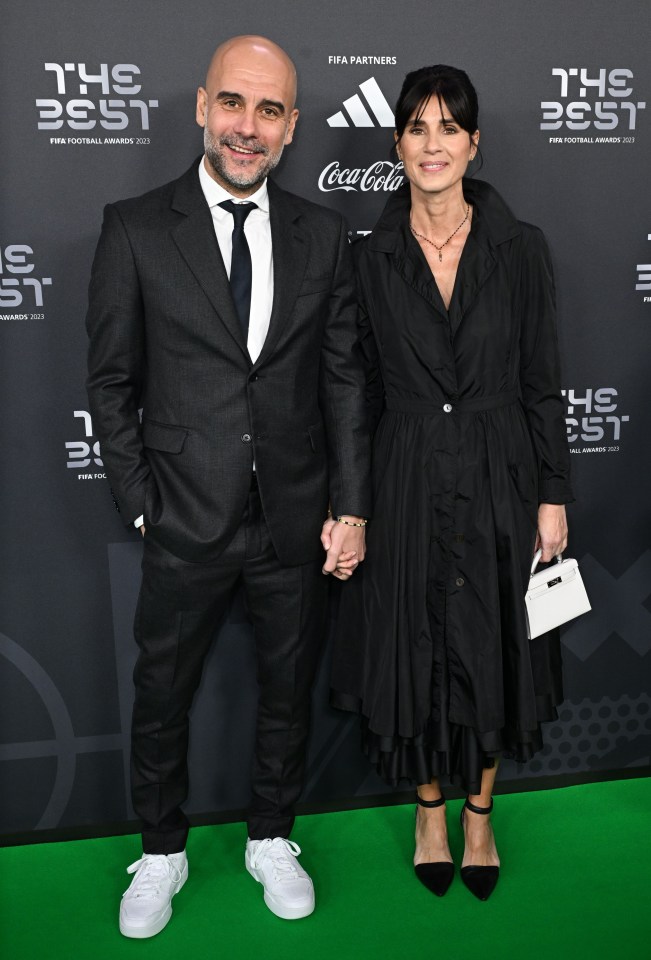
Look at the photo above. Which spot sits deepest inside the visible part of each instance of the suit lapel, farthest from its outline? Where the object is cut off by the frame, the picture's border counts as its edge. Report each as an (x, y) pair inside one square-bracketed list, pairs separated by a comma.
[(290, 247), (195, 239)]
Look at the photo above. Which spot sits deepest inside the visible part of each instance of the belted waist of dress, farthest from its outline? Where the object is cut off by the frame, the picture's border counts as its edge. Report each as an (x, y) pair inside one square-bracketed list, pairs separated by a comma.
[(427, 408)]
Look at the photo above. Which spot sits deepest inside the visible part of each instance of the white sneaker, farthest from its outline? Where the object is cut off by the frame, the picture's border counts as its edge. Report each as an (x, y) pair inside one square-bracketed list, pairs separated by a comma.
[(147, 905), (288, 890)]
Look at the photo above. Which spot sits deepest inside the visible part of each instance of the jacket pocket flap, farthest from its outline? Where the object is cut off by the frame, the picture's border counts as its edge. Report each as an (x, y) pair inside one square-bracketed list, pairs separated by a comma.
[(162, 436), (314, 285)]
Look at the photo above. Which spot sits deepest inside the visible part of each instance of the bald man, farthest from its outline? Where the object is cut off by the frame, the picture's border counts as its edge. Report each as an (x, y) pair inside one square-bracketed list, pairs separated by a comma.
[(225, 308)]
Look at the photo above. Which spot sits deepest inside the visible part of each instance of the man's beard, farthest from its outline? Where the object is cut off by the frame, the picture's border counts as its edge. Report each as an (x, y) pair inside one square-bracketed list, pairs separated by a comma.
[(245, 179)]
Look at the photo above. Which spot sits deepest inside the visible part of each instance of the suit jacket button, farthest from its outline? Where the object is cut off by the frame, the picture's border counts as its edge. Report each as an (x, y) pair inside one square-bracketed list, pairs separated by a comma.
[(246, 438), (447, 407), (459, 581)]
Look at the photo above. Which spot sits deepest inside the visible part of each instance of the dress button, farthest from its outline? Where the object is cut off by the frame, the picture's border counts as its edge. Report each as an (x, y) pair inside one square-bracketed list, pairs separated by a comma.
[(447, 407), (246, 438), (459, 581)]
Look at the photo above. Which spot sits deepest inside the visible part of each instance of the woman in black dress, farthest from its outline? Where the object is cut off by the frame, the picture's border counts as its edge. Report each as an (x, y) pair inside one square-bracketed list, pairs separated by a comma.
[(471, 474)]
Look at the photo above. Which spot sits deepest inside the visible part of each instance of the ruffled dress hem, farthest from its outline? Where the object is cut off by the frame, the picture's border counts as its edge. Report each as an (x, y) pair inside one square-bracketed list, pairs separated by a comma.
[(447, 750)]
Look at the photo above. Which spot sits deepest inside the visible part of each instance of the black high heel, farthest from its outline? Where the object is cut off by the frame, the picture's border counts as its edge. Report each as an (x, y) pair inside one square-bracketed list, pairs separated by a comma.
[(480, 880), (437, 876)]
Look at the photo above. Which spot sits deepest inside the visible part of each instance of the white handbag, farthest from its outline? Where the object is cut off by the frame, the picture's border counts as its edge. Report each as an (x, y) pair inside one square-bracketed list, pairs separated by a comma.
[(555, 595)]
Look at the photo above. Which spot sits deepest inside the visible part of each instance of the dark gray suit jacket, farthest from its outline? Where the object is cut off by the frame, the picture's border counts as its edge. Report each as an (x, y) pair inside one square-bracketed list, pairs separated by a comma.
[(164, 336)]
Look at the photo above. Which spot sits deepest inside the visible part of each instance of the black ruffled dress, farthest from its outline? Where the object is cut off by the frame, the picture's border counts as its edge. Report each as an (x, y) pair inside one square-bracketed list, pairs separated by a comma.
[(431, 643)]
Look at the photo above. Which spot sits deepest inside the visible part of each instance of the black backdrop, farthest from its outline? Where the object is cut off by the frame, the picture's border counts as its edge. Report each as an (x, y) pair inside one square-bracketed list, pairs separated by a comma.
[(98, 104)]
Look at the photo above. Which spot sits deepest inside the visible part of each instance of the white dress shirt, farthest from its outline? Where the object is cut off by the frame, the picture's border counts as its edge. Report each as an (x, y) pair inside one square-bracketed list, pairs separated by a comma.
[(257, 230)]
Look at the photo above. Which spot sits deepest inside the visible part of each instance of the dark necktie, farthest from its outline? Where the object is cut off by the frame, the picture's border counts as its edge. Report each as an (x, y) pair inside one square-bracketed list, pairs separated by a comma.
[(240, 262)]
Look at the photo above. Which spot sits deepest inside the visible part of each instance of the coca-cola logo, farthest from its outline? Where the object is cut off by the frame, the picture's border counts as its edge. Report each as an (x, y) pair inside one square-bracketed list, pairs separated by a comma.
[(383, 175)]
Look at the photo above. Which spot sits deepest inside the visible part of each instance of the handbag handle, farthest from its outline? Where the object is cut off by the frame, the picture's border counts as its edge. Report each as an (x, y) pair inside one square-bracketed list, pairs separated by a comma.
[(536, 560)]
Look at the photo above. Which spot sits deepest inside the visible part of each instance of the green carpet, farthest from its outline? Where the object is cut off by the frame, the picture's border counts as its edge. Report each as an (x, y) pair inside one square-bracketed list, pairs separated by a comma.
[(575, 884)]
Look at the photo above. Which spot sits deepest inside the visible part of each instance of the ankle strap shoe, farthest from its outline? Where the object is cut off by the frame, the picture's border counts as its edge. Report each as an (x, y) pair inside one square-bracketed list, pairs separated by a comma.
[(436, 876), (481, 881)]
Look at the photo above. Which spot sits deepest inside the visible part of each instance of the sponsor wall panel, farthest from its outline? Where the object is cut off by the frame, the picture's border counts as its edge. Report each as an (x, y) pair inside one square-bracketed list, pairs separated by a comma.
[(99, 105)]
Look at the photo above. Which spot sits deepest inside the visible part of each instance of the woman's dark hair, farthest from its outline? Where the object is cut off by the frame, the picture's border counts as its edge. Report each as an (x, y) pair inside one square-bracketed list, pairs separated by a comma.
[(446, 84)]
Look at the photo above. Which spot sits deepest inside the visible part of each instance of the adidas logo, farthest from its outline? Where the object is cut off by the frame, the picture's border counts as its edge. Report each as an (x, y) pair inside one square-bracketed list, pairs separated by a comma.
[(358, 113)]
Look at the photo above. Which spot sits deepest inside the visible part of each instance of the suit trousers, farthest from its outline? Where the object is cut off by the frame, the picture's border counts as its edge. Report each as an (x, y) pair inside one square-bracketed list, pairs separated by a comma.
[(179, 607)]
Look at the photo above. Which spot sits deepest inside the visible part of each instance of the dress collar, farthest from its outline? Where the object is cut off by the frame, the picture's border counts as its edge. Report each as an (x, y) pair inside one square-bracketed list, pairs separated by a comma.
[(492, 220)]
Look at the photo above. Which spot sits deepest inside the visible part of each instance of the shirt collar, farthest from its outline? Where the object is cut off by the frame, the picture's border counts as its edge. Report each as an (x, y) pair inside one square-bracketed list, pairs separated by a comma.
[(215, 193)]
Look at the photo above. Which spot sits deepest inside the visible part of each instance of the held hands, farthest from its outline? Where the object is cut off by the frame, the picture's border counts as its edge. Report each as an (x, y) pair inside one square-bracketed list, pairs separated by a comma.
[(552, 530), (345, 547)]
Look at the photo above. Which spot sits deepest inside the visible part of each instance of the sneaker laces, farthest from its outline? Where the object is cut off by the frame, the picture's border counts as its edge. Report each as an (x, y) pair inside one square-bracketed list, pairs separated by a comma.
[(282, 854), (150, 872)]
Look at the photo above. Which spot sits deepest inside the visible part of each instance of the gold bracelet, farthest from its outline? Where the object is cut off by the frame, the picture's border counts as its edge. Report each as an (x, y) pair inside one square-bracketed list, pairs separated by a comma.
[(350, 523)]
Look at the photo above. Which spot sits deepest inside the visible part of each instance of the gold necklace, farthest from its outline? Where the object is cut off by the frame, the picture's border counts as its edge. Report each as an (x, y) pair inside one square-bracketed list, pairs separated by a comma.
[(431, 242)]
